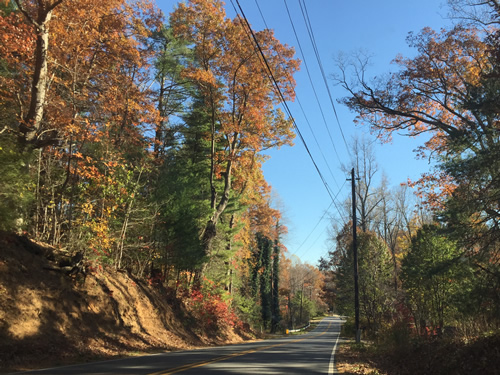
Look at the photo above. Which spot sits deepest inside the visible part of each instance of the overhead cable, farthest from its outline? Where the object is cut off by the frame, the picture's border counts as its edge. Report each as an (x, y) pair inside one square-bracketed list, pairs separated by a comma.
[(300, 103), (307, 20), (311, 81), (283, 101)]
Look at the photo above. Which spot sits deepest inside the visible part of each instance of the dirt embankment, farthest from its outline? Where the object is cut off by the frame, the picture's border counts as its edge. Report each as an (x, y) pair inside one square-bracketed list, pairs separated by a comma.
[(48, 318)]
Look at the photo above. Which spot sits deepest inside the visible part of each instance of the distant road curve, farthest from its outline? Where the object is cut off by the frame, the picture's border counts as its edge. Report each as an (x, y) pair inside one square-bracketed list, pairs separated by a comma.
[(311, 353)]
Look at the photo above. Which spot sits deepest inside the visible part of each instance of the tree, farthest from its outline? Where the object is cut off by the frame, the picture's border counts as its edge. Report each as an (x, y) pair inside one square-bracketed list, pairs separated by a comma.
[(432, 273), (15, 193), (449, 91), (229, 74), (88, 123), (433, 93), (376, 205), (31, 129), (183, 192), (171, 56), (275, 301), (475, 12), (263, 279), (301, 286), (365, 167), (265, 271), (388, 225), (376, 294), (375, 277), (325, 266)]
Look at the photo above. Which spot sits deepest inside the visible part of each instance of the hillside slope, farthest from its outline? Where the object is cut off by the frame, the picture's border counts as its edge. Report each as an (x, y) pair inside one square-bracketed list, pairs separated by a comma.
[(48, 318)]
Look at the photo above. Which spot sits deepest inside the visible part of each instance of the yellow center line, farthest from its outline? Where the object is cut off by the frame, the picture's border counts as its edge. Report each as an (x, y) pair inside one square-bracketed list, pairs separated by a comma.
[(223, 358)]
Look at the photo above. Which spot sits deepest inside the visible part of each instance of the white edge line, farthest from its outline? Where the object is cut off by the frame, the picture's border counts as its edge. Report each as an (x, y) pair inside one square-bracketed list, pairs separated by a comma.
[(331, 368)]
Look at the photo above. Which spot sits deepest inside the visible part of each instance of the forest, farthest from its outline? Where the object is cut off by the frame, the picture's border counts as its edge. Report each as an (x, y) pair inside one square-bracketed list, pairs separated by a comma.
[(137, 141)]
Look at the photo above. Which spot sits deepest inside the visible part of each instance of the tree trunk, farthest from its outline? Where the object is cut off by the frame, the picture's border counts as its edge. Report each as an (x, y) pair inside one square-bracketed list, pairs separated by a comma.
[(210, 231), (160, 125), (31, 126)]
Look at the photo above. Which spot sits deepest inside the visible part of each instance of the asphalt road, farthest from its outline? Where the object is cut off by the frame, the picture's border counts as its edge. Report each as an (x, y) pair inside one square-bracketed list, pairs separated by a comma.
[(311, 353)]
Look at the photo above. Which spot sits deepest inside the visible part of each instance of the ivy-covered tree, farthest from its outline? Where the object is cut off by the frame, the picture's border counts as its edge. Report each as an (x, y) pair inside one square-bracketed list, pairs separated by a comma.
[(275, 297), (266, 247)]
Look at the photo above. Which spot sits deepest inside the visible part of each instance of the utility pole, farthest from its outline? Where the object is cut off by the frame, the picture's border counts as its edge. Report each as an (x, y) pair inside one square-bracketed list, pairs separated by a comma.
[(355, 258)]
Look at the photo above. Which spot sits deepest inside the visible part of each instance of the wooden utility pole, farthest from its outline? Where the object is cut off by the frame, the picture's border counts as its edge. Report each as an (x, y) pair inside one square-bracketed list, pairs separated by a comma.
[(355, 258)]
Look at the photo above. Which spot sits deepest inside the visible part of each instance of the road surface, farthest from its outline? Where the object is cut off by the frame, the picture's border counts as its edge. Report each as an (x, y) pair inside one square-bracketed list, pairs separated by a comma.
[(311, 353)]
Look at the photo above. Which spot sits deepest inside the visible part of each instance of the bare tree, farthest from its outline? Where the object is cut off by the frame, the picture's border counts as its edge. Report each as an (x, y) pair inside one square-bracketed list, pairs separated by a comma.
[(475, 12), (365, 167)]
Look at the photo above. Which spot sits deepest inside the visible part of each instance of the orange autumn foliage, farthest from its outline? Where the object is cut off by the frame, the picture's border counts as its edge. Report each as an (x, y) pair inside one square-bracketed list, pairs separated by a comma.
[(94, 58), (432, 94), (241, 103), (95, 108)]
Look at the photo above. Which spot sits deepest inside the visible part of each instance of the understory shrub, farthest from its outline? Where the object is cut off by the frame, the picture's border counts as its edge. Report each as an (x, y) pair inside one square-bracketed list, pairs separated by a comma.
[(211, 306)]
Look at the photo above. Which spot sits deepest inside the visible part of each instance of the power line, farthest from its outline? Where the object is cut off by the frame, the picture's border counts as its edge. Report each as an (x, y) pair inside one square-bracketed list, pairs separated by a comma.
[(312, 231), (310, 79), (322, 217), (285, 105), (287, 109), (306, 118), (300, 103), (310, 31)]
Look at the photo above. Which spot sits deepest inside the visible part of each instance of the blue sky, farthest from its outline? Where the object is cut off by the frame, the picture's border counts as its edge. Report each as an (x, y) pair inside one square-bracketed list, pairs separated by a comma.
[(378, 27)]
